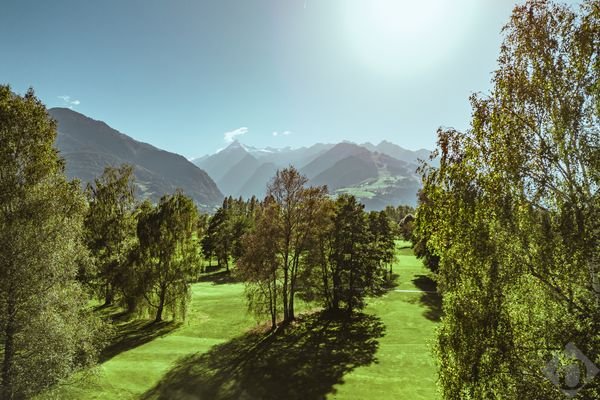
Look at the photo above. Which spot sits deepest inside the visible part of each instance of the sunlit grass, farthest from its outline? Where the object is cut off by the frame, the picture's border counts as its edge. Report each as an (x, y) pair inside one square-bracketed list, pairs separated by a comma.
[(217, 316)]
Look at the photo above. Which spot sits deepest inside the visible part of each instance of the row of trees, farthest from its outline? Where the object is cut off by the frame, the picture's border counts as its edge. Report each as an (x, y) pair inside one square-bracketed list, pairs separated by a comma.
[(510, 221), (59, 244), (62, 246), (145, 254), (303, 244), (296, 243)]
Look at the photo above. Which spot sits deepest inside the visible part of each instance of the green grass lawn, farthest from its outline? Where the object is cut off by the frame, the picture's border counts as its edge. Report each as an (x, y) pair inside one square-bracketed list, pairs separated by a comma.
[(381, 354), (405, 367)]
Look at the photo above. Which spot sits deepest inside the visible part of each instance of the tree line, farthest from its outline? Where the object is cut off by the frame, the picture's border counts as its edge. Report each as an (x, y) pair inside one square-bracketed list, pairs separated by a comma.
[(63, 247), (144, 254)]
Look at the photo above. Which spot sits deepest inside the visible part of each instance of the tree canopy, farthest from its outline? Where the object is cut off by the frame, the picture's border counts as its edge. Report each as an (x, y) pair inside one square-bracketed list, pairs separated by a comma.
[(513, 212), (46, 330), (168, 253)]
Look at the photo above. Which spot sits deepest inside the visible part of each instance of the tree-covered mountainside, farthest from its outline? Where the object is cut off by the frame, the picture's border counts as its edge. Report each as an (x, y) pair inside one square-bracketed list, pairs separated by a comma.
[(89, 146)]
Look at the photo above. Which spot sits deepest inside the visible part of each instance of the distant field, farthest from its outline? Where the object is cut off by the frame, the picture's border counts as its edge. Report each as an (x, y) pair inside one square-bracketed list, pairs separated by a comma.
[(212, 354)]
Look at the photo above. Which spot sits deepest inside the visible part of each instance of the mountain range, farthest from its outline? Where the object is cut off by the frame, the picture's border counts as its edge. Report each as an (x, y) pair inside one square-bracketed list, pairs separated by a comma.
[(378, 175), (88, 146)]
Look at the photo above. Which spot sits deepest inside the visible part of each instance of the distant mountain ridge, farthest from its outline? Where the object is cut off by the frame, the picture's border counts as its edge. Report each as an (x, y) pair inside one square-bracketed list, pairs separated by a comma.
[(378, 175), (88, 146)]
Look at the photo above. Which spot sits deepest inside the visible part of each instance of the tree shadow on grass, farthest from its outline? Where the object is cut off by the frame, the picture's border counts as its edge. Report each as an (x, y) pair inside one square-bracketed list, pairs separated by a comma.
[(219, 278), (433, 301), (389, 284), (136, 333), (301, 361)]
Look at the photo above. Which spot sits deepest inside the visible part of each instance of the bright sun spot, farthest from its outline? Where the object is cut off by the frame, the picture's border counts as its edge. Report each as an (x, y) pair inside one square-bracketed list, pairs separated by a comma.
[(403, 37)]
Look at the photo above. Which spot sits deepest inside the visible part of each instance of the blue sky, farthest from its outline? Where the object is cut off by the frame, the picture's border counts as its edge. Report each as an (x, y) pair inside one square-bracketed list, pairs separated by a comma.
[(188, 76)]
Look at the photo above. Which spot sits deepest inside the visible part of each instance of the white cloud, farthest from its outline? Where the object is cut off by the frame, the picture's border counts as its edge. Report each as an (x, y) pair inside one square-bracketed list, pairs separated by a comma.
[(69, 102), (284, 133), (230, 136)]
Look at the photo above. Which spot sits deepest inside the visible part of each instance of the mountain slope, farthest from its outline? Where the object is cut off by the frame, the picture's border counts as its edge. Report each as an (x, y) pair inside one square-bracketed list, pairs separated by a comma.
[(231, 183), (88, 146), (330, 157), (350, 171), (376, 179), (218, 164), (393, 150), (297, 157), (378, 175), (256, 185)]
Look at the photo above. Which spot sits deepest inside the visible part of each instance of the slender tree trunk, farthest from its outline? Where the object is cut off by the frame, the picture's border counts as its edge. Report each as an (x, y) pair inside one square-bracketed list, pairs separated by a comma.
[(335, 300), (291, 314), (351, 288), (325, 278), (9, 350), (272, 308), (108, 295), (131, 304), (326, 293), (161, 305), (286, 313), (274, 297)]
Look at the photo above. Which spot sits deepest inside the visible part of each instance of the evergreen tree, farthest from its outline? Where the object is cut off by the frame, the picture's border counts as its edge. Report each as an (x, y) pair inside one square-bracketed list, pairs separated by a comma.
[(356, 259)]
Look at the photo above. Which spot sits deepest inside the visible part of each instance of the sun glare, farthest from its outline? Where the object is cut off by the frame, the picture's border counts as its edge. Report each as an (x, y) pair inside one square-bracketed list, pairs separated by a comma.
[(403, 37)]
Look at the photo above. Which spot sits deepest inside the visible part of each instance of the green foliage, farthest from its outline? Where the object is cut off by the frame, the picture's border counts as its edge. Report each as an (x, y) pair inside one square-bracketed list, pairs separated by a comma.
[(226, 228), (361, 245), (46, 331), (110, 233), (304, 244), (273, 257), (382, 238), (422, 230), (513, 213), (216, 240), (168, 253), (259, 265)]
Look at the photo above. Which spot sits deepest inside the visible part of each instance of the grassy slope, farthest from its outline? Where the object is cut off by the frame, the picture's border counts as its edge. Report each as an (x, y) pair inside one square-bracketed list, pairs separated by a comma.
[(404, 367)]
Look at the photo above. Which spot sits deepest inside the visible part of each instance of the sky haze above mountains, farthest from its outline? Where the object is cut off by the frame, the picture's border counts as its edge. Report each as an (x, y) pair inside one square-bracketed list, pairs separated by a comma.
[(191, 76)]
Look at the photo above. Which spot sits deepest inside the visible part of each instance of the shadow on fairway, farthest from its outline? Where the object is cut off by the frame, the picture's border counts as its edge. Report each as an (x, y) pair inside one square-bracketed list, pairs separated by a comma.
[(301, 361), (432, 300), (219, 278), (390, 283), (136, 333)]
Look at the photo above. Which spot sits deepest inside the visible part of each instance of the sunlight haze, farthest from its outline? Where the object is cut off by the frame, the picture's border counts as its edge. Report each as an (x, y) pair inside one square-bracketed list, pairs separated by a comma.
[(182, 74)]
